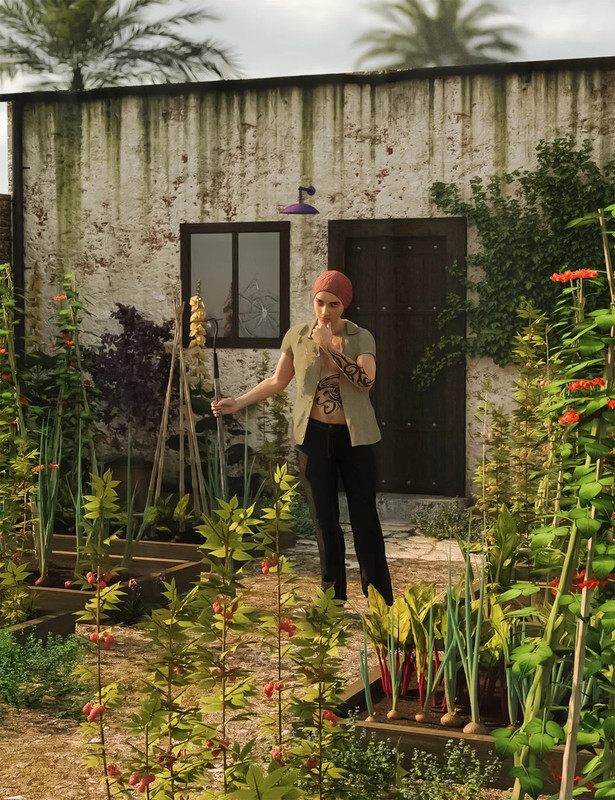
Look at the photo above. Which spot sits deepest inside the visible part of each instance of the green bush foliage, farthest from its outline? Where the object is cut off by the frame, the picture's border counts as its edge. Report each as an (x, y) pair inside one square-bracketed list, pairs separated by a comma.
[(520, 219), (36, 668)]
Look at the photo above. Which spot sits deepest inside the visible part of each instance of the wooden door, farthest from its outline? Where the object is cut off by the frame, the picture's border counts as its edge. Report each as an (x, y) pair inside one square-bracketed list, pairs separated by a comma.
[(400, 279)]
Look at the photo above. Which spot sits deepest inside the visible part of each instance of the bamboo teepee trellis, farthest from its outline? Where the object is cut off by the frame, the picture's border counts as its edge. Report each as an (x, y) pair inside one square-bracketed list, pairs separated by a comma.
[(187, 431)]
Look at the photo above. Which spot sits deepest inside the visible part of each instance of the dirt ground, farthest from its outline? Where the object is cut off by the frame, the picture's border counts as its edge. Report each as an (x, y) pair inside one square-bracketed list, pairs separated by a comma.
[(41, 756)]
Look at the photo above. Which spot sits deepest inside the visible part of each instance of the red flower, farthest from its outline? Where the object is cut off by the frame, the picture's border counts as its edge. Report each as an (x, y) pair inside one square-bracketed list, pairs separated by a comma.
[(97, 711), (60, 297), (570, 416), (23, 401), (68, 341), (2, 349), (289, 626), (585, 384), (277, 755), (53, 466), (7, 377), (611, 403), (330, 717), (564, 277)]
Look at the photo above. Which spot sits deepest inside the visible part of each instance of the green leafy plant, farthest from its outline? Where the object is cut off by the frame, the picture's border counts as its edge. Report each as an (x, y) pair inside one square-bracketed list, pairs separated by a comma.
[(446, 521), (37, 668), (520, 220)]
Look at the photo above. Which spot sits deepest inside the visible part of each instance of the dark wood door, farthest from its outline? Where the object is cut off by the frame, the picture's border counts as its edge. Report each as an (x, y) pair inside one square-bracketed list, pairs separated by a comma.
[(400, 279)]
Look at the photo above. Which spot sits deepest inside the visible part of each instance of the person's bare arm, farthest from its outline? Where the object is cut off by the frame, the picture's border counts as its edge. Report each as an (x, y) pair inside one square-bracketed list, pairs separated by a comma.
[(361, 373), (270, 386)]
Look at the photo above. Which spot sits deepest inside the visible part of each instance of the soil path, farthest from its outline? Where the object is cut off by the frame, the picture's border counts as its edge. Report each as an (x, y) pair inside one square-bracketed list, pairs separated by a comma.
[(41, 756)]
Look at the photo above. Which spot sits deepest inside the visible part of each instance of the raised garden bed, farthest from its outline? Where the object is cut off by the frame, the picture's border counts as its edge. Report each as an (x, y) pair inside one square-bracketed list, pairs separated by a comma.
[(409, 735), (56, 604)]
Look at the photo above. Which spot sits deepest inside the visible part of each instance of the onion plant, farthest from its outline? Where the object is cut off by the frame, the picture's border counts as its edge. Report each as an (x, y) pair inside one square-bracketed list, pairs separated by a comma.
[(469, 645)]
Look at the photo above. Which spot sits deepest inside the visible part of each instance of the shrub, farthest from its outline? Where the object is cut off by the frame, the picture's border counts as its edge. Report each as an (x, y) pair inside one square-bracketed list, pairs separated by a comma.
[(35, 668), (446, 521)]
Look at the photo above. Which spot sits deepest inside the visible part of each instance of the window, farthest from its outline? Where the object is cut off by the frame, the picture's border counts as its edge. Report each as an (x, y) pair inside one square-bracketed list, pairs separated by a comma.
[(243, 269)]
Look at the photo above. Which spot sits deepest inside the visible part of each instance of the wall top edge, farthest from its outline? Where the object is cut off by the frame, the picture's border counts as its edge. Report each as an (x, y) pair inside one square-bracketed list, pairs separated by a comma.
[(310, 81)]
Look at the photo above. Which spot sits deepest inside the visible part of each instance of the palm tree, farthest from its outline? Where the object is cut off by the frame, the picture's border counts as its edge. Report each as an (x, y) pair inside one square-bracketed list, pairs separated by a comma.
[(82, 44), (454, 34)]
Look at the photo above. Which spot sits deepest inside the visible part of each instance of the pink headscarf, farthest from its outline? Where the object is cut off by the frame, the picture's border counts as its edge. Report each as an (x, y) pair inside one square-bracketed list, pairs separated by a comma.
[(336, 283)]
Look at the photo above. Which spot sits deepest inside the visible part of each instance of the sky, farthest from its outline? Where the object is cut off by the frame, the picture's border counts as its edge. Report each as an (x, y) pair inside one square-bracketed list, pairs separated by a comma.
[(294, 37)]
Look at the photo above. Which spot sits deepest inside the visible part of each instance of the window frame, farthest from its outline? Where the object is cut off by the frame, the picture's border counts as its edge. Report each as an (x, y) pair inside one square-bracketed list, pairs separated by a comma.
[(235, 228)]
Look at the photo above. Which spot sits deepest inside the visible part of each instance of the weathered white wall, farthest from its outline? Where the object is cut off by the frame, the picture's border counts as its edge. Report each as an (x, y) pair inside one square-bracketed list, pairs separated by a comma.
[(108, 180)]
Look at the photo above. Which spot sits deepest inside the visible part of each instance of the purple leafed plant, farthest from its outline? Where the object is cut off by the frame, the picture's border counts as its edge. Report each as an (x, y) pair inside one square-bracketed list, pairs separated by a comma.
[(131, 371)]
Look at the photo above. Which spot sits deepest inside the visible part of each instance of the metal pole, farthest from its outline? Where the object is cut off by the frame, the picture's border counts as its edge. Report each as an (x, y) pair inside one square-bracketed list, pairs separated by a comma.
[(219, 422)]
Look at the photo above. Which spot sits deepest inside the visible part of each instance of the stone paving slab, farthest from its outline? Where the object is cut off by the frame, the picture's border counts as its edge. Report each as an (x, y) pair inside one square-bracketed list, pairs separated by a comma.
[(399, 543)]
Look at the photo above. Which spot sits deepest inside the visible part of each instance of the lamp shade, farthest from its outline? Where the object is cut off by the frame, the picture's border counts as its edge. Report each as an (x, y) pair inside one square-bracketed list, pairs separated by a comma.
[(301, 207)]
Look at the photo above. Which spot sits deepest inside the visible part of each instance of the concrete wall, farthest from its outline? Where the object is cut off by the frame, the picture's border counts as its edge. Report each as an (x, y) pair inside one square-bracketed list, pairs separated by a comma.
[(5, 228), (109, 179)]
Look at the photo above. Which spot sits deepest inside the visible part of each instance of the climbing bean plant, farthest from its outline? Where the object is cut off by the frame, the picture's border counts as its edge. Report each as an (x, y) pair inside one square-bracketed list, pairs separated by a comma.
[(520, 220)]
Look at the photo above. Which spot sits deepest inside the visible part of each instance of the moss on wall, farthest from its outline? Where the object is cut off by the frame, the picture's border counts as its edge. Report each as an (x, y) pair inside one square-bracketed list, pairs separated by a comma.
[(500, 123), (68, 181), (307, 135)]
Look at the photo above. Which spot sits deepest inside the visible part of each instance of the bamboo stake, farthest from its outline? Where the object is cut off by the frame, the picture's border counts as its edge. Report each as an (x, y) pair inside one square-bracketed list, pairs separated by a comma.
[(182, 477), (198, 481)]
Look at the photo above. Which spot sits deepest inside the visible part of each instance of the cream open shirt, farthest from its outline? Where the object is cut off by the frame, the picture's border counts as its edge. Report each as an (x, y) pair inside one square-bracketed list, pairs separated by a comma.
[(358, 410)]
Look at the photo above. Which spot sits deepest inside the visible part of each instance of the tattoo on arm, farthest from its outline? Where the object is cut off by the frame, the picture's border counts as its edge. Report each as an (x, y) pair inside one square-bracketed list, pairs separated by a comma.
[(351, 370)]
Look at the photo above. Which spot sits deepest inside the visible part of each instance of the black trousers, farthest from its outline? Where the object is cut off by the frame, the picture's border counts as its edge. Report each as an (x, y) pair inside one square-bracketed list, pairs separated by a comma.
[(325, 456)]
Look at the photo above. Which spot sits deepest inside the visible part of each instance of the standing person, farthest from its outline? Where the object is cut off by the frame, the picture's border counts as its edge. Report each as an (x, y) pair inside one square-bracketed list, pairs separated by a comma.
[(334, 426)]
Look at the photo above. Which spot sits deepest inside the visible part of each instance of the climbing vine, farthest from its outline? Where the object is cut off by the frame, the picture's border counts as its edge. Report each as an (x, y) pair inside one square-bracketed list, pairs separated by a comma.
[(520, 220)]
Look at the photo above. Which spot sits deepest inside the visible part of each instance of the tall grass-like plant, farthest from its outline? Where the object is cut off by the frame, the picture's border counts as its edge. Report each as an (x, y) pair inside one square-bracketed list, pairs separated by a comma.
[(469, 645), (451, 651)]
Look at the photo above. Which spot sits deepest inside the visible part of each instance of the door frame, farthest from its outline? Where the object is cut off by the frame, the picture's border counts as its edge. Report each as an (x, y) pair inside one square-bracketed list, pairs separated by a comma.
[(454, 229)]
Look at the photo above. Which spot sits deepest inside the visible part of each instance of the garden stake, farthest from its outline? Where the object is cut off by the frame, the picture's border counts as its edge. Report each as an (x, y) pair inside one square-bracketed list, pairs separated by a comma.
[(213, 323)]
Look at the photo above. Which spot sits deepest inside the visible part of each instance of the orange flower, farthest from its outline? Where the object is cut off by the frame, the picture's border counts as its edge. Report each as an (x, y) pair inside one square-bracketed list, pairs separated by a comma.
[(68, 341), (584, 384), (570, 416), (2, 349), (60, 297), (53, 466), (564, 277)]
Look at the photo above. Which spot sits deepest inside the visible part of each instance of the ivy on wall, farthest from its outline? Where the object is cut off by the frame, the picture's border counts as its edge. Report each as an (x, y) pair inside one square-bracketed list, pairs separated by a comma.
[(520, 219)]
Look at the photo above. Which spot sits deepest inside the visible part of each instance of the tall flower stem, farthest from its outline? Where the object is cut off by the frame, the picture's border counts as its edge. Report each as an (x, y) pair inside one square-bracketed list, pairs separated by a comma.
[(576, 699)]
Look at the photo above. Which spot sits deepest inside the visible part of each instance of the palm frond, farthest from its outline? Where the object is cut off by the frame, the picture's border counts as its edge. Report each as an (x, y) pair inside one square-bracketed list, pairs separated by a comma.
[(91, 43), (416, 33)]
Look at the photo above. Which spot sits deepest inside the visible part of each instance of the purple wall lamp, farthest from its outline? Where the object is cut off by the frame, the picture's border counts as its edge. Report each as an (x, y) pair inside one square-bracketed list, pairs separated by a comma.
[(301, 207)]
